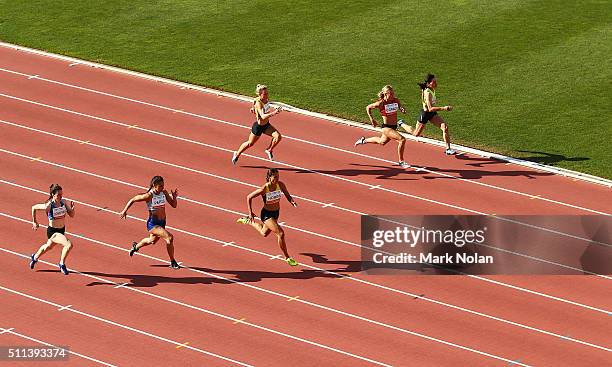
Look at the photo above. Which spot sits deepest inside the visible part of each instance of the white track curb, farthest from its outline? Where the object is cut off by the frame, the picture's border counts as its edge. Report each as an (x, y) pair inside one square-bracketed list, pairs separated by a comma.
[(482, 153)]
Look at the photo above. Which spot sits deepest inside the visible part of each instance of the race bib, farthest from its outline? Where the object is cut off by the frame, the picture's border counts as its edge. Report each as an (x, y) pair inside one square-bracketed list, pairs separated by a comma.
[(273, 196), (158, 200), (59, 213), (391, 107)]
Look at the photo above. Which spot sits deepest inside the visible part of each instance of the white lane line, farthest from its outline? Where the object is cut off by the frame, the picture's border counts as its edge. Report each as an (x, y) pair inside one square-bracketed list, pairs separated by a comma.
[(91, 316), (213, 313), (355, 279), (293, 138), (10, 331), (6, 330), (283, 223), (287, 298), (251, 185), (64, 307), (320, 116), (254, 157), (459, 308), (135, 127)]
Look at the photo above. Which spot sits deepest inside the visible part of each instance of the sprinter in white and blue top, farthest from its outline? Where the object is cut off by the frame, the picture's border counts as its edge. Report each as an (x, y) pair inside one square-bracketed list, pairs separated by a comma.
[(56, 210), (271, 193), (156, 198)]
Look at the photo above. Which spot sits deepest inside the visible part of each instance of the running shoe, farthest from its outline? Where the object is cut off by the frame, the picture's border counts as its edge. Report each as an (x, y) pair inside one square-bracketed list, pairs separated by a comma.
[(400, 122), (235, 158), (134, 249), (269, 154), (361, 141), (63, 269), (243, 220), (450, 151), (33, 261), (404, 164), (174, 265), (291, 261)]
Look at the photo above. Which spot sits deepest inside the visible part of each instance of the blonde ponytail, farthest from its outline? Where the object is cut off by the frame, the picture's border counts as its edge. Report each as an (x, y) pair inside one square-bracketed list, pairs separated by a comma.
[(381, 94)]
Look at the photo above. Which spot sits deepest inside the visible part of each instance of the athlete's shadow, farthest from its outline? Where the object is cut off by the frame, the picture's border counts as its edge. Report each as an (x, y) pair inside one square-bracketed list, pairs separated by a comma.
[(550, 158), (358, 266), (348, 266), (475, 174), (478, 161), (253, 276), (381, 172), (147, 281)]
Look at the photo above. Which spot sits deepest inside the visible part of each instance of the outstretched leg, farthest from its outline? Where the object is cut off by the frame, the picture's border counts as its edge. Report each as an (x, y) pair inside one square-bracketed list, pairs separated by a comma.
[(276, 138), (439, 122), (44, 248), (382, 140), (244, 146), (147, 241), (66, 245), (261, 228), (280, 235), (161, 232)]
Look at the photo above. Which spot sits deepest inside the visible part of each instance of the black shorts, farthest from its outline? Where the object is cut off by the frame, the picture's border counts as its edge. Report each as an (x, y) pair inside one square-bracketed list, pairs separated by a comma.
[(425, 116), (394, 127), (258, 129), (52, 230), (267, 214)]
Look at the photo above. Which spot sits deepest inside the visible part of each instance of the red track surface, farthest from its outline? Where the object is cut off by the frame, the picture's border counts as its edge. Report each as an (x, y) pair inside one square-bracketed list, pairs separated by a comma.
[(234, 301)]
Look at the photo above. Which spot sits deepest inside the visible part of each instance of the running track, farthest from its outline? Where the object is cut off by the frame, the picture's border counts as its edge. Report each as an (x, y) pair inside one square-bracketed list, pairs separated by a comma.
[(102, 135)]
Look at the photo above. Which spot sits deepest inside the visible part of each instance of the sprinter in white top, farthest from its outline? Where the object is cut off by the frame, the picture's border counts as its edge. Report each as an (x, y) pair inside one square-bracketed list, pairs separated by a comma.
[(271, 192), (156, 198)]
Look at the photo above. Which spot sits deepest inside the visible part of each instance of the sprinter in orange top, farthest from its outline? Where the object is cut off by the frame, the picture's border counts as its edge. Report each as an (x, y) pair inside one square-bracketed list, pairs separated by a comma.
[(388, 106)]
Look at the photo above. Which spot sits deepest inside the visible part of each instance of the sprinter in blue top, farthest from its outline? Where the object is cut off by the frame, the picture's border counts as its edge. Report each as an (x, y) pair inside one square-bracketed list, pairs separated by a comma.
[(156, 198), (56, 210)]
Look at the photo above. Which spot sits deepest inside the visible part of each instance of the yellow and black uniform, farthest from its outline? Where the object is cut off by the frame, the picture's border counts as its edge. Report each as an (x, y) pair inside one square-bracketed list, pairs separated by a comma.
[(270, 196), (425, 114), (258, 129)]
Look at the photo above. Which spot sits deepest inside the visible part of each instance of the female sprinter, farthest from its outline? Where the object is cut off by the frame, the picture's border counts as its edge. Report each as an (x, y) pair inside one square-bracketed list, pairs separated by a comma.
[(430, 112), (388, 106), (271, 193), (56, 210), (263, 112), (156, 198)]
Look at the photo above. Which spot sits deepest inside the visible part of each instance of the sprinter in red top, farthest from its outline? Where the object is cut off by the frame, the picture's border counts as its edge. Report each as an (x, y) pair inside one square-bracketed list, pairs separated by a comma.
[(388, 106)]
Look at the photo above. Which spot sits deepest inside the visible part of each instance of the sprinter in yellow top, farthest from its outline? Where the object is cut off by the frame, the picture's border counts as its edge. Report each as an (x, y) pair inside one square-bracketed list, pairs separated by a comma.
[(430, 112), (271, 192)]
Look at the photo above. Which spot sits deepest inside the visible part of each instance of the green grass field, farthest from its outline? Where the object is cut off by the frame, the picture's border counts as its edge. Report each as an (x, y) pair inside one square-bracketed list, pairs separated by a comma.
[(527, 78)]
